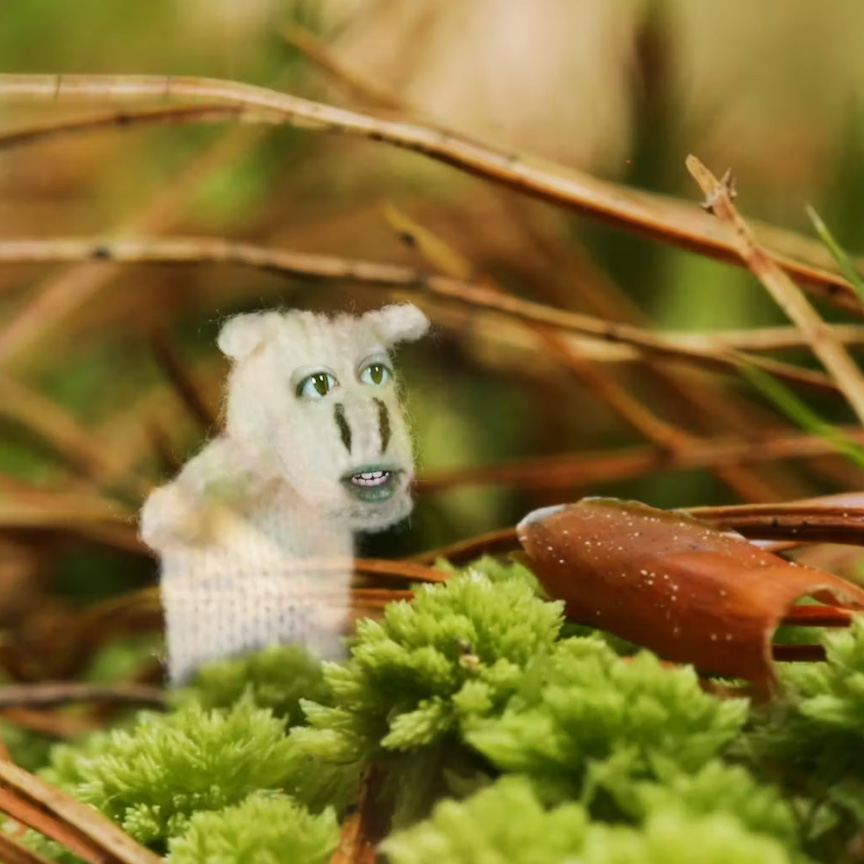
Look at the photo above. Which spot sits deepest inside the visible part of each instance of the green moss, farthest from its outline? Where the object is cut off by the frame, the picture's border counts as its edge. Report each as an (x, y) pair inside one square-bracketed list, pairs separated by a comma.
[(674, 837), (264, 829), (153, 777), (716, 788), (499, 741), (504, 824), (585, 704), (276, 678), (507, 824), (431, 667)]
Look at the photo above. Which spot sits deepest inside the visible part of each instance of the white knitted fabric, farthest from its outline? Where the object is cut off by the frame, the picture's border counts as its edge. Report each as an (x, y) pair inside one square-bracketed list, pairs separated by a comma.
[(283, 483)]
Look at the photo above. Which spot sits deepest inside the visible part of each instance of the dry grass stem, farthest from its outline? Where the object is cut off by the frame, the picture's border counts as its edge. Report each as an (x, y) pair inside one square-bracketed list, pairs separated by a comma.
[(65, 291), (183, 382), (174, 115), (51, 724), (100, 837), (718, 200), (328, 268), (12, 852), (52, 509), (577, 470), (50, 694), (597, 379), (366, 826), (810, 523), (314, 50), (491, 543), (62, 432), (651, 215)]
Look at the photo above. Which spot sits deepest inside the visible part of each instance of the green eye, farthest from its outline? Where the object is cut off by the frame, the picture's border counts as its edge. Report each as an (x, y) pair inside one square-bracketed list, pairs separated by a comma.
[(375, 374), (316, 386)]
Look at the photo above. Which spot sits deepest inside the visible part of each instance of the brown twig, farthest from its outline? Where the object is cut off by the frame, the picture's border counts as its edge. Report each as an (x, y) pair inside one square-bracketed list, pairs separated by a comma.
[(808, 523), (308, 44), (34, 817), (183, 382), (630, 410), (798, 653), (49, 694), (62, 432), (60, 293), (328, 268), (363, 829), (651, 215), (830, 351), (52, 724), (765, 338), (605, 386), (567, 471), (703, 405), (818, 616), (12, 852), (172, 116), (42, 508), (95, 836), (492, 543)]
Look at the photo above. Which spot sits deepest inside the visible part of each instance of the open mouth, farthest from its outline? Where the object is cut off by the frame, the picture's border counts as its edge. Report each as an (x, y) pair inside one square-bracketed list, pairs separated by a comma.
[(372, 483)]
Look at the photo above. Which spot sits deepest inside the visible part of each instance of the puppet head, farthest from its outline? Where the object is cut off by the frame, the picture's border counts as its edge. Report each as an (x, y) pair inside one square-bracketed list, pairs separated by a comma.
[(317, 398)]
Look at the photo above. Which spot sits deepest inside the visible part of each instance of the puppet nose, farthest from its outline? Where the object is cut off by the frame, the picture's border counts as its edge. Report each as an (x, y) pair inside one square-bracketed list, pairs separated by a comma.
[(374, 416)]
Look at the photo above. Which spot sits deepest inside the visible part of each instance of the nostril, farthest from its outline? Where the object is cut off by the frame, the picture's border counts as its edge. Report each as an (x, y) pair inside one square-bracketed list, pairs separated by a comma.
[(383, 425)]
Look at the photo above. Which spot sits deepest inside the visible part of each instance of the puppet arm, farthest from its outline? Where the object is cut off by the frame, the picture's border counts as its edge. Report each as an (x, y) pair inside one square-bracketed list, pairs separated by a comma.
[(219, 480)]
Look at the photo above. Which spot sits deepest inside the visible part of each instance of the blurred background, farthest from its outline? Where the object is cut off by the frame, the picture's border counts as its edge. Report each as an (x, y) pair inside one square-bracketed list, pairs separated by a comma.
[(110, 378)]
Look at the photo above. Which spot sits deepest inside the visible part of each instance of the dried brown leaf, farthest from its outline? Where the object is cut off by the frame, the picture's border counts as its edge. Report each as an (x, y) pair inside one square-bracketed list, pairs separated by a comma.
[(688, 591)]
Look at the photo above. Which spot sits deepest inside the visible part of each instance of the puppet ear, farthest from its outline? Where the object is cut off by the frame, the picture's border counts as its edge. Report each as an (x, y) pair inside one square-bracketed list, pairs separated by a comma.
[(242, 334), (400, 322)]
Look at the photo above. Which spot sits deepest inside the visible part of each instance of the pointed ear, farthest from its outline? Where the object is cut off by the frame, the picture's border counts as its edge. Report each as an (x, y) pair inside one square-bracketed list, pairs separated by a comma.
[(242, 334), (399, 322)]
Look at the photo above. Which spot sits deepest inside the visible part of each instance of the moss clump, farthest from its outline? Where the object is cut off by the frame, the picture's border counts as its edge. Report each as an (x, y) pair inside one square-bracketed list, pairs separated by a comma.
[(431, 667), (584, 704), (499, 739), (276, 678), (151, 778), (264, 829), (507, 824), (503, 824)]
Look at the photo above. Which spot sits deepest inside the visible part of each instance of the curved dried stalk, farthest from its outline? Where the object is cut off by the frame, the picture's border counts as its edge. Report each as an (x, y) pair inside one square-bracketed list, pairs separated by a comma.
[(787, 295), (49, 694), (651, 215), (632, 411), (322, 267), (569, 471), (491, 543), (80, 827), (174, 115), (807, 523), (12, 852), (62, 432)]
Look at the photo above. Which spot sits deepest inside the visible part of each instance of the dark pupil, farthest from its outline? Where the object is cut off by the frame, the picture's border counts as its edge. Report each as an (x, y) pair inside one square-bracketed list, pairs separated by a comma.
[(376, 373), (322, 385)]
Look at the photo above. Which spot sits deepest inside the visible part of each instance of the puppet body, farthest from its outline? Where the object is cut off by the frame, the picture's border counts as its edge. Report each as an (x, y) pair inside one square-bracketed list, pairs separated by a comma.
[(315, 449)]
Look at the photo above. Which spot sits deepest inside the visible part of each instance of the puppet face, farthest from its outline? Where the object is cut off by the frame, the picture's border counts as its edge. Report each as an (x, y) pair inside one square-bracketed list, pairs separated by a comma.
[(317, 396)]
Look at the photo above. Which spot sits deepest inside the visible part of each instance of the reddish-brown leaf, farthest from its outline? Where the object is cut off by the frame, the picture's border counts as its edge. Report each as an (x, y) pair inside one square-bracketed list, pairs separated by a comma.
[(688, 591)]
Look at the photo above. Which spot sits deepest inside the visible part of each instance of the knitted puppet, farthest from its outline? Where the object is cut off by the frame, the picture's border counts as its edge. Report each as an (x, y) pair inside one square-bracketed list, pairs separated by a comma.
[(315, 448)]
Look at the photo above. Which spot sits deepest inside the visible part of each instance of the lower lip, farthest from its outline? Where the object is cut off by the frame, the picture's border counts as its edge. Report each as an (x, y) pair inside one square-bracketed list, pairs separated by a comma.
[(374, 494)]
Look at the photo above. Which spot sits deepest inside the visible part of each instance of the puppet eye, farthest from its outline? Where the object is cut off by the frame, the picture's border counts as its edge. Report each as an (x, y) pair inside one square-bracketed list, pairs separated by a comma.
[(316, 386), (376, 374)]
